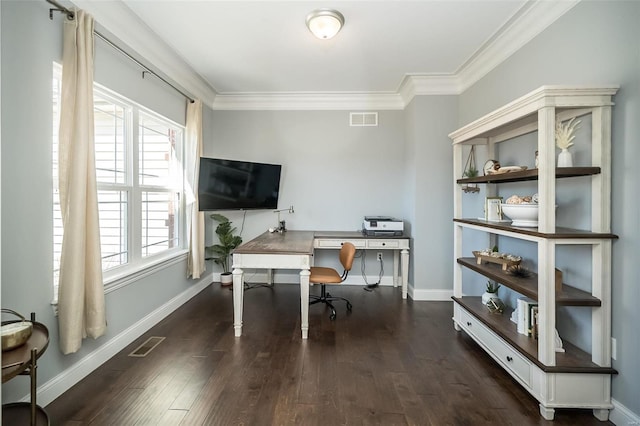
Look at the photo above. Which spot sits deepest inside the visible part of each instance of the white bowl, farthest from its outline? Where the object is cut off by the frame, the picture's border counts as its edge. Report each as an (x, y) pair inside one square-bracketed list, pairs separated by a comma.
[(521, 214)]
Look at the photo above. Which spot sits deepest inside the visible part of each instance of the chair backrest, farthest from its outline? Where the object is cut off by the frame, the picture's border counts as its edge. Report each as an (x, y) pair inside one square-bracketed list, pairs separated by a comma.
[(347, 253)]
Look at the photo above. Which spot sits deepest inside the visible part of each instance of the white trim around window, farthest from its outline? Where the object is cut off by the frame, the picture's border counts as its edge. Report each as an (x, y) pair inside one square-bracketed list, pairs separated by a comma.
[(139, 163)]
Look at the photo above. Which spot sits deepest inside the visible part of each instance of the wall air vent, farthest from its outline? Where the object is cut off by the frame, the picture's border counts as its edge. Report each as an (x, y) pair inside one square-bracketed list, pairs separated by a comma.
[(363, 119)]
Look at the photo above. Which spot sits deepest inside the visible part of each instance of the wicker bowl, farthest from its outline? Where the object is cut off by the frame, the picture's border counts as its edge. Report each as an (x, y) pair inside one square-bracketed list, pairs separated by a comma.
[(15, 333)]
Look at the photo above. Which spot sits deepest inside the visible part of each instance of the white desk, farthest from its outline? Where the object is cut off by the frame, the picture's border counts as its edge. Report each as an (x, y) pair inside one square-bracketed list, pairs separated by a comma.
[(294, 250), (399, 245)]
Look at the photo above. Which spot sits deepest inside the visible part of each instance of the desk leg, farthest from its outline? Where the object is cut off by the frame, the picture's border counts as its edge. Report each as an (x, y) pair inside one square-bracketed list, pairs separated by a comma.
[(396, 262), (238, 300), (405, 272), (304, 302)]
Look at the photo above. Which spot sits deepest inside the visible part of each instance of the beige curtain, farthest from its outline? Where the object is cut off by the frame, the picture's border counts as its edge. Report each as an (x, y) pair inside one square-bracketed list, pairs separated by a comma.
[(195, 218), (81, 308)]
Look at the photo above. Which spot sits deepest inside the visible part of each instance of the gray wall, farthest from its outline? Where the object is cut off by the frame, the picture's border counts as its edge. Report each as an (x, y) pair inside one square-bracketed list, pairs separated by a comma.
[(30, 44), (332, 174), (429, 120), (594, 43)]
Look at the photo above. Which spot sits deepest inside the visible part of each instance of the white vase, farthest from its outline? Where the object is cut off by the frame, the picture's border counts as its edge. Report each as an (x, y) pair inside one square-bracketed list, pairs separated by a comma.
[(486, 296), (565, 159)]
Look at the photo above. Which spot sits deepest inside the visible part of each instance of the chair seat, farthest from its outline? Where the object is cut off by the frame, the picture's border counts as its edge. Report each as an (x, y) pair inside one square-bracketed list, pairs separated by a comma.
[(322, 275)]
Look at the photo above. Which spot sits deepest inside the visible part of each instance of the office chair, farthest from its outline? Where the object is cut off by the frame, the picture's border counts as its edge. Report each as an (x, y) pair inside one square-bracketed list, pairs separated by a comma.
[(323, 276)]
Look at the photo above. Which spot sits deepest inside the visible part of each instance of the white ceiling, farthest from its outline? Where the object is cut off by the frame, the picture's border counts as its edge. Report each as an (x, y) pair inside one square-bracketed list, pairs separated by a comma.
[(263, 48)]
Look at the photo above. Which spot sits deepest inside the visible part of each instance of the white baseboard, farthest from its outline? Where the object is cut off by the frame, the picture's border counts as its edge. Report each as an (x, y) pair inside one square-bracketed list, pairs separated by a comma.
[(622, 416), (440, 295), (59, 384), (354, 279)]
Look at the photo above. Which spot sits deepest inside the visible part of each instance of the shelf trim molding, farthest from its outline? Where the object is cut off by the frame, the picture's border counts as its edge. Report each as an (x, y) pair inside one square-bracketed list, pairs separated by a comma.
[(545, 96)]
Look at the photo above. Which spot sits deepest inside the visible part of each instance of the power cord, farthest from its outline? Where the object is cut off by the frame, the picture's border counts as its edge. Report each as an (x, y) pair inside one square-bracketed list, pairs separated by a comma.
[(244, 216), (363, 267), (250, 286)]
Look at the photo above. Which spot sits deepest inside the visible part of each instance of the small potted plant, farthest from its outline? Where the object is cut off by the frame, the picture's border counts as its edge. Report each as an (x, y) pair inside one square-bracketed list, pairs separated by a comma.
[(491, 292), (221, 253)]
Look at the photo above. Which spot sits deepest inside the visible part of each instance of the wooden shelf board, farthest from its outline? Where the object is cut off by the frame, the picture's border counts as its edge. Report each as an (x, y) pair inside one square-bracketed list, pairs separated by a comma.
[(561, 233), (569, 296), (573, 360), (530, 174)]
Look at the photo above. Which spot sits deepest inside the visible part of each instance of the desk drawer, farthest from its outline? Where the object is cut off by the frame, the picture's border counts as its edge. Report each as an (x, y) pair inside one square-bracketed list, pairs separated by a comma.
[(510, 359), (383, 244), (336, 244)]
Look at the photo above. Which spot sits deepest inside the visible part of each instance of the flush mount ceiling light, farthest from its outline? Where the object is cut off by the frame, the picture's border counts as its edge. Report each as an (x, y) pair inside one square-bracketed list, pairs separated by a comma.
[(325, 23)]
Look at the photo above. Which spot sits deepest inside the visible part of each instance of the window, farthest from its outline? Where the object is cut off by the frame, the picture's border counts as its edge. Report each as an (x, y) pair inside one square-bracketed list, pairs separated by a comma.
[(140, 184)]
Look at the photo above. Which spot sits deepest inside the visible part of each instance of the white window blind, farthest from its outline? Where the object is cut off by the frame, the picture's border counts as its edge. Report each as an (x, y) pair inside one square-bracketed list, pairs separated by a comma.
[(140, 183)]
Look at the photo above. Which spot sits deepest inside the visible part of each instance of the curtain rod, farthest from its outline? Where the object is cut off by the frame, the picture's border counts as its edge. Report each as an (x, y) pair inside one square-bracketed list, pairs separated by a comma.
[(71, 14)]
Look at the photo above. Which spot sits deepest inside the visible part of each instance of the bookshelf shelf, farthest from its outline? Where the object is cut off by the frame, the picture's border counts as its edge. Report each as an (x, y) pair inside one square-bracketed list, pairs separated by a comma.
[(568, 296), (529, 175), (573, 360)]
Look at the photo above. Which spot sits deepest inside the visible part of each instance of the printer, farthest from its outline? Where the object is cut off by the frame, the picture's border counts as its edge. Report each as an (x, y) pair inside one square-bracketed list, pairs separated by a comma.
[(382, 226)]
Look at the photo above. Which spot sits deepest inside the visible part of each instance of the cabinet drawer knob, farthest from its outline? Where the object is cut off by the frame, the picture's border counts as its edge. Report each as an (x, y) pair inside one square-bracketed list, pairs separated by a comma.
[(509, 358), (469, 323)]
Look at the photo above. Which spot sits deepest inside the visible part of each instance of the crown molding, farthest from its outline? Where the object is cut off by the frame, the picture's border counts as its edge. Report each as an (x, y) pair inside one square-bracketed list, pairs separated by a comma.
[(118, 19), (308, 101), (420, 85), (530, 20)]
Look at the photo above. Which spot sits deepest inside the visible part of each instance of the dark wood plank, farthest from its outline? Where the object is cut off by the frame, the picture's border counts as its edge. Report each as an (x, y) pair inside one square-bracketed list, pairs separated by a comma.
[(560, 231), (390, 361), (530, 174), (528, 286)]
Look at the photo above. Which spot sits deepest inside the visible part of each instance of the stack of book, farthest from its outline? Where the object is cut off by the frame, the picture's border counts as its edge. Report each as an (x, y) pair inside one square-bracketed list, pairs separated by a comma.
[(527, 310)]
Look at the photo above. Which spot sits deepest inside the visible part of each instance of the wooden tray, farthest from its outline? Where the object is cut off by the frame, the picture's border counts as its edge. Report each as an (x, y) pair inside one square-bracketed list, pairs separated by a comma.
[(491, 259)]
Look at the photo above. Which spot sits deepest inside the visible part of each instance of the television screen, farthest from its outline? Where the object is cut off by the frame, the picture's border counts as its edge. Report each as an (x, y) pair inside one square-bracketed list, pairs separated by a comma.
[(237, 185)]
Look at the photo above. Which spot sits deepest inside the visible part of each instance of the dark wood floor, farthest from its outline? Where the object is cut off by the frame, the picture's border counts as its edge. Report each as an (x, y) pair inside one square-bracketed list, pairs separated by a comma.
[(389, 362)]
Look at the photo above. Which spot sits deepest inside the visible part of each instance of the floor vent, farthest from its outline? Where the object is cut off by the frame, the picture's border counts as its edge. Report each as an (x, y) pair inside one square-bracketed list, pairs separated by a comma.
[(149, 345), (363, 119)]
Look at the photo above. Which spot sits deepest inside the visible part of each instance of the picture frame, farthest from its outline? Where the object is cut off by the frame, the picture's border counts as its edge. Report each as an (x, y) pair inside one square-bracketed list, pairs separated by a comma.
[(492, 209)]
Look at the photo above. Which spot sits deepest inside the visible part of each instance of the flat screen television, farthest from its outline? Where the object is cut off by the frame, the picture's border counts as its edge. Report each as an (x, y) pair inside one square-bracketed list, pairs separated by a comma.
[(237, 185)]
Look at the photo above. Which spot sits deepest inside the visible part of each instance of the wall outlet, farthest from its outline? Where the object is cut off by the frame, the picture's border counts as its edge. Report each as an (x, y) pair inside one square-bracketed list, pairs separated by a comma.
[(614, 348), (379, 256)]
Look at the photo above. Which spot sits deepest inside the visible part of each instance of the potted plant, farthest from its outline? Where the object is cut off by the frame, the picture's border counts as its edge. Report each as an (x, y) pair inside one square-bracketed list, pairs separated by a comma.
[(491, 292), (221, 253)]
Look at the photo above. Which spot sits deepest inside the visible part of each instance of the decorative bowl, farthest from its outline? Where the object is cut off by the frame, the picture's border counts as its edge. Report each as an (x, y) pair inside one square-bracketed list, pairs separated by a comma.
[(15, 333), (521, 214)]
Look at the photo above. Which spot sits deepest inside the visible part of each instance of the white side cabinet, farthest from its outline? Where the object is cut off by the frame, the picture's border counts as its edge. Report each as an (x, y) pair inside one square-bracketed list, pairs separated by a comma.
[(575, 378)]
